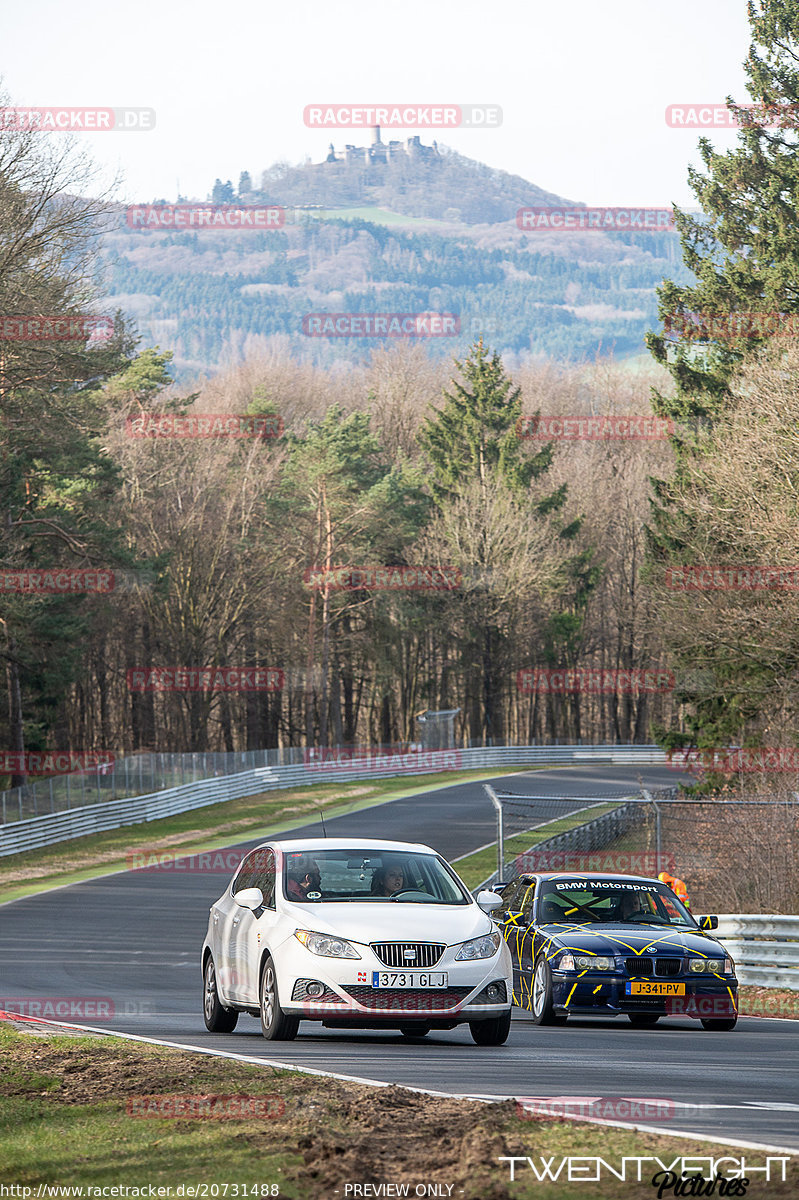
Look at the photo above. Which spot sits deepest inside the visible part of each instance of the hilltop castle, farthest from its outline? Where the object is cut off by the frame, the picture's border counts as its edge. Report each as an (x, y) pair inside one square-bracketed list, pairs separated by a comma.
[(379, 152)]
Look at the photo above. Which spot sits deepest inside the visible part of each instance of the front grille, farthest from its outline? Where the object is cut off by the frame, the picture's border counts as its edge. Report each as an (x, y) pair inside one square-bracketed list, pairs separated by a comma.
[(639, 966), (657, 966), (408, 999), (408, 954)]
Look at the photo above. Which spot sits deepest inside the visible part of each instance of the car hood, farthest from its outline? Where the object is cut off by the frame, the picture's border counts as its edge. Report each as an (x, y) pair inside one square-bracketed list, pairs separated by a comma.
[(634, 939), (393, 921)]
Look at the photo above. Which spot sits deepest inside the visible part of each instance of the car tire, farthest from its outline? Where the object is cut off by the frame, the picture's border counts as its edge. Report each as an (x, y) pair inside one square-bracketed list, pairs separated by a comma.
[(542, 1009), (275, 1025), (644, 1020), (493, 1032), (415, 1029), (719, 1023), (218, 1019)]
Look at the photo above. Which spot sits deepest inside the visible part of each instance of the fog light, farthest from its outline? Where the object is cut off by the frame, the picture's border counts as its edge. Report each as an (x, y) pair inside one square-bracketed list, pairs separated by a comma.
[(314, 989), (492, 991)]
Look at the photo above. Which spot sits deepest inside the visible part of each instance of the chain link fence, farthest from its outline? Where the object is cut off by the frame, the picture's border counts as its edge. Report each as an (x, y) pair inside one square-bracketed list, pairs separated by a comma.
[(735, 854)]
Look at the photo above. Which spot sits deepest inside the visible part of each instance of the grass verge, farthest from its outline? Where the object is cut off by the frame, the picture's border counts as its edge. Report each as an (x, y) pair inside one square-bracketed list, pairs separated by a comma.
[(474, 868), (68, 1116), (211, 828)]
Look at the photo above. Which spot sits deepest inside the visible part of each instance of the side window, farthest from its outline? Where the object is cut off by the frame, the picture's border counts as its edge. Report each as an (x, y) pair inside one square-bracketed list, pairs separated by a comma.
[(265, 875), (258, 870)]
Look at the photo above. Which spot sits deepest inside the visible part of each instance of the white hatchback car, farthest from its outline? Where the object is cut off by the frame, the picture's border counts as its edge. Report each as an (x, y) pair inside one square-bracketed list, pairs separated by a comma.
[(358, 934)]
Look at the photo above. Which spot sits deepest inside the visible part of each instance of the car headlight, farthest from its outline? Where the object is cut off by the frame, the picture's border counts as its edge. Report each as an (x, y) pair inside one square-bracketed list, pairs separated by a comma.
[(585, 962), (596, 962), (482, 947), (325, 944), (708, 966)]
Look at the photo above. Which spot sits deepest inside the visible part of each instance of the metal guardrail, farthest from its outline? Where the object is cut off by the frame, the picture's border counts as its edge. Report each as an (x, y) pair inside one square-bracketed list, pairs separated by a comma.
[(765, 948), (30, 834)]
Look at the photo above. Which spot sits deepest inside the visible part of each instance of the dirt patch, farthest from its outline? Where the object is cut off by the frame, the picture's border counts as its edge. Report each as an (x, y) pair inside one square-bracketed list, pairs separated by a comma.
[(768, 1002)]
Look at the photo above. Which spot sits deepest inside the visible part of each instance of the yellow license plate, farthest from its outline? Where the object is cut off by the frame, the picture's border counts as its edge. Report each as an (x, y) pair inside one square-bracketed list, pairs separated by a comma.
[(655, 989)]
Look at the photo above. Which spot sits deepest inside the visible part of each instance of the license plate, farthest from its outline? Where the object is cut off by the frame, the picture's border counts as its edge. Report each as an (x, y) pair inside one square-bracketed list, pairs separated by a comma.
[(409, 979), (655, 989)]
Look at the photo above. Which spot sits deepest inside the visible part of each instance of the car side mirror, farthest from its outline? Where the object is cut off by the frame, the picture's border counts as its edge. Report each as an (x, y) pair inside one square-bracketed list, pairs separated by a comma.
[(251, 898), (489, 901), (707, 922)]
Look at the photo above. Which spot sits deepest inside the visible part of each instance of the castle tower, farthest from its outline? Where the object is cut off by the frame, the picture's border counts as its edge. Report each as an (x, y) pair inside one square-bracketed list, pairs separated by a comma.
[(376, 135)]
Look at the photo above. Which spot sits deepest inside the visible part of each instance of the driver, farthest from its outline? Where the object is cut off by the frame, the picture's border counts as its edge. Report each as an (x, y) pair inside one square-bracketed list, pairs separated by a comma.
[(304, 876), (632, 905), (387, 879)]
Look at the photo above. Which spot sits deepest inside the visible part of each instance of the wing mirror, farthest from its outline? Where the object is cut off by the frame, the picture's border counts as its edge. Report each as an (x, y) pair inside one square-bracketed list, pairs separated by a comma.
[(707, 922), (251, 898), (488, 900)]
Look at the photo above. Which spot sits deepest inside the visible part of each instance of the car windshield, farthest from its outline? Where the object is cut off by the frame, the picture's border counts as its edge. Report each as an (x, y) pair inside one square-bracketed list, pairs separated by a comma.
[(627, 902), (371, 876)]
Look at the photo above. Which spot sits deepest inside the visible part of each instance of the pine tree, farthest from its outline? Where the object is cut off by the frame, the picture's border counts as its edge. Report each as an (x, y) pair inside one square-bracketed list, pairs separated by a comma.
[(475, 433), (744, 247)]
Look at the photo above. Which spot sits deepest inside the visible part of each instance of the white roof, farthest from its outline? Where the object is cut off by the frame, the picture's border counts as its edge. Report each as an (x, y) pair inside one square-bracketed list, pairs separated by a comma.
[(293, 845)]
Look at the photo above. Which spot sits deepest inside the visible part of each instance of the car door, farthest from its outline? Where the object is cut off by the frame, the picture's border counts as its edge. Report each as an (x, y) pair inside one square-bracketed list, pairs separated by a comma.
[(250, 931), (514, 919)]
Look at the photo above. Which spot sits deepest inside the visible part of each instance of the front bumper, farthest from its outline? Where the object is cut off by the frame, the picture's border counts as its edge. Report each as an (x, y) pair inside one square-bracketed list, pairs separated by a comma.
[(343, 990), (604, 993)]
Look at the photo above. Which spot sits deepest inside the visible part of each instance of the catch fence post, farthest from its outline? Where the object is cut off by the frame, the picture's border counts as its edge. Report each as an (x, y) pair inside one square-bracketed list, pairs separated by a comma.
[(500, 831)]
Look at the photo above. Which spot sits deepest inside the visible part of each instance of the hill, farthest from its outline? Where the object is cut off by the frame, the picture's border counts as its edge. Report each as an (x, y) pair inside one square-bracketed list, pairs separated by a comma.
[(439, 236)]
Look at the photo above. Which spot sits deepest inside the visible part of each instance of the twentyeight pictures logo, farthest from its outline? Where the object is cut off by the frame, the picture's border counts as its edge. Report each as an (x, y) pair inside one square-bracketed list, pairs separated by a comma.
[(205, 216), (76, 120), (402, 116), (608, 220), (426, 324)]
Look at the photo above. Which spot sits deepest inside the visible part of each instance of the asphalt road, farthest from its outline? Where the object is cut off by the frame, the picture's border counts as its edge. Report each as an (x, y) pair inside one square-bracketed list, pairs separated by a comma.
[(129, 944)]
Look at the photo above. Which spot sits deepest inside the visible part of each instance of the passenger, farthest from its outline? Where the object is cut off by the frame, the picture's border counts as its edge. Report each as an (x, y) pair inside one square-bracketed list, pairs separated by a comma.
[(387, 879)]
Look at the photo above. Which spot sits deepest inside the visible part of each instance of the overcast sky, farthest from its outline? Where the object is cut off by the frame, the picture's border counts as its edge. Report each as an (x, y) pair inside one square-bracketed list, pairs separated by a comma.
[(583, 86)]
